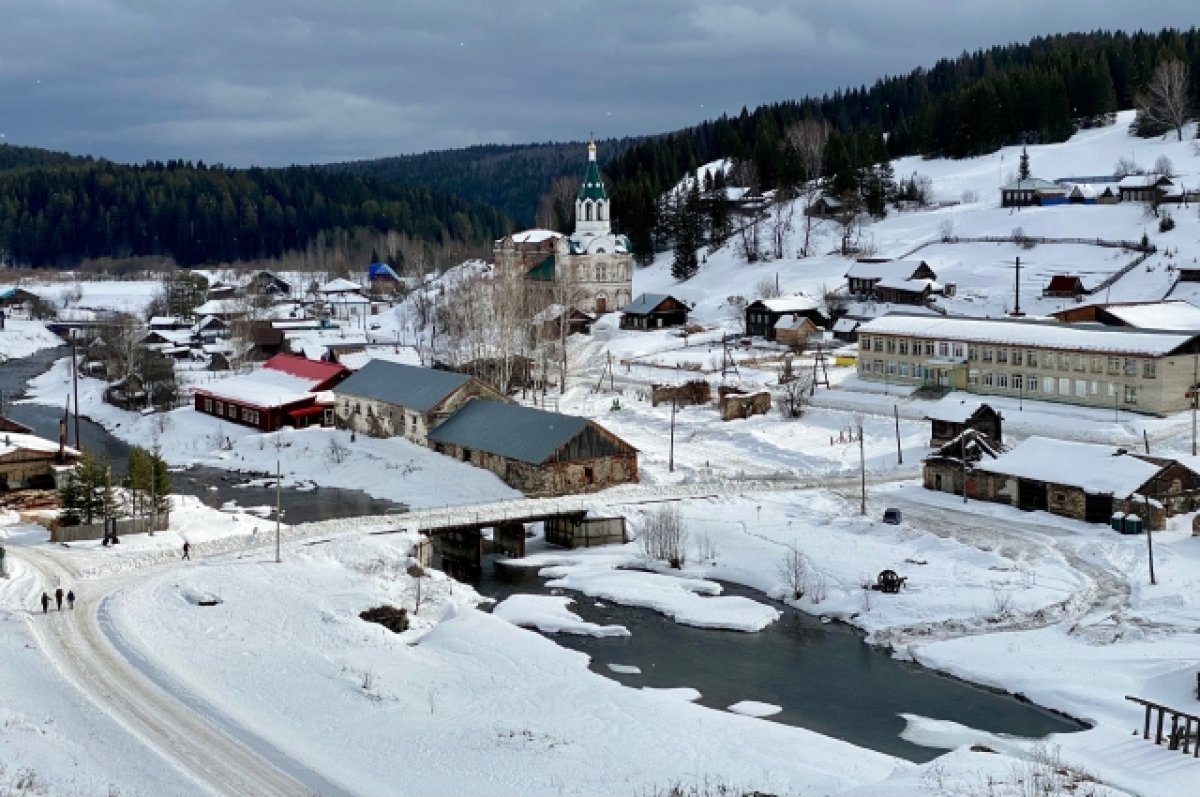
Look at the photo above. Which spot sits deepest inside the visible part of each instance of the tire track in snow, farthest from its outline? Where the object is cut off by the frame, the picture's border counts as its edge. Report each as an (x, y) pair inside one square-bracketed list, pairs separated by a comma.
[(220, 757)]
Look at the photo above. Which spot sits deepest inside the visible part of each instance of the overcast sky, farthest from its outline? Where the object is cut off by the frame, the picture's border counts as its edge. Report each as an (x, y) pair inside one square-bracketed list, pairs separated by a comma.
[(273, 82)]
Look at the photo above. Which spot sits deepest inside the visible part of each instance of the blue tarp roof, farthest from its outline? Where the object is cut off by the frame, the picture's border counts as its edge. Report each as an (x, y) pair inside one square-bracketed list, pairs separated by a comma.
[(381, 270)]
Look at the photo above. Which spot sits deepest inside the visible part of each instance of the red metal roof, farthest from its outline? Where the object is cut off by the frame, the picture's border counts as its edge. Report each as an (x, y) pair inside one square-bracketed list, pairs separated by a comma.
[(305, 368)]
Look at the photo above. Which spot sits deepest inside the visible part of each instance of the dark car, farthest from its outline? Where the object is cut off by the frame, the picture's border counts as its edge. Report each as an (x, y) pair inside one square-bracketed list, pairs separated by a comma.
[(892, 516)]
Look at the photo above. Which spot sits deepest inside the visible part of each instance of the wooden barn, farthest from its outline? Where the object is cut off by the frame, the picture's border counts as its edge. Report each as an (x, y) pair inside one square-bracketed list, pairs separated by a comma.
[(654, 311), (283, 392), (1085, 481), (954, 414), (865, 275), (389, 399), (535, 451)]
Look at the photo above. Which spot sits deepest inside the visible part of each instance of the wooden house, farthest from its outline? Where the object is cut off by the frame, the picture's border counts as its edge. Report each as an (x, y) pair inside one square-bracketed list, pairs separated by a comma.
[(1174, 314), (954, 414), (866, 273), (794, 331), (268, 283), (17, 299), (535, 451), (389, 399), (29, 461), (1032, 191), (846, 329), (1064, 286), (1144, 187), (654, 311), (825, 207), (763, 314), (283, 392), (382, 279)]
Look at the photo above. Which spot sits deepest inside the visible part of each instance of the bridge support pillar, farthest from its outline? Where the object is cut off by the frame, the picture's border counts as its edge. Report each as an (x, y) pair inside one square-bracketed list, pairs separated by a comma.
[(510, 539)]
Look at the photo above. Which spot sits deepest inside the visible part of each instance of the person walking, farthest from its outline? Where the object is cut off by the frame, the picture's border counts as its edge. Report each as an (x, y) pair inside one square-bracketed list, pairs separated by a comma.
[(45, 603), (187, 550), (71, 599), (58, 596)]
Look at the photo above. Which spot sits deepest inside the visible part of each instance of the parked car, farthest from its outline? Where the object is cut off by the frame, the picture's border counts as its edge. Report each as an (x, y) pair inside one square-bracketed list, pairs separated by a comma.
[(892, 516)]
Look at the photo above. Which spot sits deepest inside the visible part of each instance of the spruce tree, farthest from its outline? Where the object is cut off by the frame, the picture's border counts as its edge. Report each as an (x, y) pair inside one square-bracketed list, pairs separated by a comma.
[(688, 235), (1023, 168)]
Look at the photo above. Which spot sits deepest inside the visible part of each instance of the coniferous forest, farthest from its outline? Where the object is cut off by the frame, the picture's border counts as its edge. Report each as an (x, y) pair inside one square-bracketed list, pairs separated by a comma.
[(56, 210)]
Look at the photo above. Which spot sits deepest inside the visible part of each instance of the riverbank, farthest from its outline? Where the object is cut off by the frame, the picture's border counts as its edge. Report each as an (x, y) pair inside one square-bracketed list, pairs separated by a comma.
[(393, 469)]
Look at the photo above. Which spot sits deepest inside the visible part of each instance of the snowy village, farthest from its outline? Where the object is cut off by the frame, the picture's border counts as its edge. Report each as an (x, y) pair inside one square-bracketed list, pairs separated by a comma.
[(837, 500)]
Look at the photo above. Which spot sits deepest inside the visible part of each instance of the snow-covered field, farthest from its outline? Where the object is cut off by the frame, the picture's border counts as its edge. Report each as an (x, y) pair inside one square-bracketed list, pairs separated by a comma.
[(313, 698)]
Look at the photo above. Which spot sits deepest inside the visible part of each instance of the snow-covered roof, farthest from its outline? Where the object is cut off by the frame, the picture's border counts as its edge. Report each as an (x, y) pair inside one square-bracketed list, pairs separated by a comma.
[(221, 307), (535, 236), (263, 387), (953, 409), (1173, 314), (789, 304), (912, 286), (1143, 180), (793, 322), (1032, 184), (340, 285), (12, 442), (1035, 334), (1097, 469), (168, 321), (846, 325), (895, 269), (348, 297)]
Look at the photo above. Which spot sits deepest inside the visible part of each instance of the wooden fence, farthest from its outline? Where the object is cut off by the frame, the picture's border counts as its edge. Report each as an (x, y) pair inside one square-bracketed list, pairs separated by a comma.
[(96, 531)]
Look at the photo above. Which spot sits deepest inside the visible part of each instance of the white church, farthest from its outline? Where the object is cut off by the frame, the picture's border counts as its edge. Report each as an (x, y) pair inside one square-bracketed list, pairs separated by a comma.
[(590, 269)]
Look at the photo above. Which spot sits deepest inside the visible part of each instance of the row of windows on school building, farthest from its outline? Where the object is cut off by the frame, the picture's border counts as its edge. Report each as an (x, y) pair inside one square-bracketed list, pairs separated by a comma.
[(1072, 377)]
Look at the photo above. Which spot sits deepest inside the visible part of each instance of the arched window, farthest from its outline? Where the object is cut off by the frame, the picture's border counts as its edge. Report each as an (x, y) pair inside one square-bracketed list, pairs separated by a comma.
[(587, 210)]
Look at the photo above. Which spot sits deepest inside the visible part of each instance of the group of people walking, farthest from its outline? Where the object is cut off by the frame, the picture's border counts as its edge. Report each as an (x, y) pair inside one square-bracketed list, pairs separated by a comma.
[(58, 598)]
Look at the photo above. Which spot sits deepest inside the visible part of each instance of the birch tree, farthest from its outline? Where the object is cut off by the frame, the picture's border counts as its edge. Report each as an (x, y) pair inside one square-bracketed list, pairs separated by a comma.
[(1164, 103)]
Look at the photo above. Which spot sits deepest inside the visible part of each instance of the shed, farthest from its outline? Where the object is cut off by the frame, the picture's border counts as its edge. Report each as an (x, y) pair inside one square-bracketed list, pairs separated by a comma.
[(953, 415), (794, 331), (1064, 286), (654, 311), (535, 451), (846, 329)]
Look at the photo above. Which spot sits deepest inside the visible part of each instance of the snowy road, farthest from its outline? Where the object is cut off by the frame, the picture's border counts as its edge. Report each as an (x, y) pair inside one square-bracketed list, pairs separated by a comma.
[(218, 757)]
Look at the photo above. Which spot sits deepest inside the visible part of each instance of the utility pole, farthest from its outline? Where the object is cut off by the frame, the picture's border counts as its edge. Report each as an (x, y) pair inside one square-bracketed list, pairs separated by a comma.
[(671, 455), (1150, 534), (75, 384), (862, 466), (278, 506), (962, 453), (899, 452), (1016, 313), (1195, 385)]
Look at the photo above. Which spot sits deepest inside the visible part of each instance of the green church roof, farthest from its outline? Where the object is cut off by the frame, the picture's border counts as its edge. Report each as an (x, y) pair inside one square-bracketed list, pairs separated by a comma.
[(593, 184)]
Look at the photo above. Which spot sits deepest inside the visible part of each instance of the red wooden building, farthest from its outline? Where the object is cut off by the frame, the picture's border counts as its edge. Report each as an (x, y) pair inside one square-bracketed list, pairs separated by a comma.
[(284, 392)]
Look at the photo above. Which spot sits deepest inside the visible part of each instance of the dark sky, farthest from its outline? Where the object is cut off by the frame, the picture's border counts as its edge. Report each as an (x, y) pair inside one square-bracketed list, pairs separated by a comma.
[(273, 82)]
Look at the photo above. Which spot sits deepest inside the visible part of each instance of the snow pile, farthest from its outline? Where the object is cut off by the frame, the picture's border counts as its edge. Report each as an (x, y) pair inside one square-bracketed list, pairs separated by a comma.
[(549, 614)]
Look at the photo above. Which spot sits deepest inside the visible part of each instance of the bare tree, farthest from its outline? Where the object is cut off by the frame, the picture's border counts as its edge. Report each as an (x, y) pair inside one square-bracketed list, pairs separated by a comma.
[(780, 220), (1163, 103), (556, 208), (807, 139), (750, 239), (794, 572), (1164, 167), (735, 309), (1126, 166), (767, 288), (664, 538), (796, 393)]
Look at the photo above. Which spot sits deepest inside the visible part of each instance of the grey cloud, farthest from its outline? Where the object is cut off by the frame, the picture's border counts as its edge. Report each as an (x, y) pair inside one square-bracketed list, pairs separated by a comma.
[(282, 81)]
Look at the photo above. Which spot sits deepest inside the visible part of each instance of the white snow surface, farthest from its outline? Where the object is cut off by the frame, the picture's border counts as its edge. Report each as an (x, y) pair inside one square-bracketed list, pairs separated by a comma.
[(1057, 610), (549, 614), (753, 708)]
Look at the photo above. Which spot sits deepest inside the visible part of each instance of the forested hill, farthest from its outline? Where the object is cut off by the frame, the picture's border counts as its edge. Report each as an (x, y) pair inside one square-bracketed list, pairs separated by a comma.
[(13, 157), (1038, 92), (55, 214), (509, 178)]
